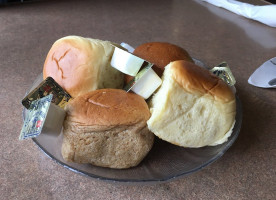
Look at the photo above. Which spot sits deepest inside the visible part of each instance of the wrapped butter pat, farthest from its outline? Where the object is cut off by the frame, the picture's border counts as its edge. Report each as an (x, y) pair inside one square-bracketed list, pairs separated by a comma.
[(128, 47), (145, 80), (126, 62), (147, 84)]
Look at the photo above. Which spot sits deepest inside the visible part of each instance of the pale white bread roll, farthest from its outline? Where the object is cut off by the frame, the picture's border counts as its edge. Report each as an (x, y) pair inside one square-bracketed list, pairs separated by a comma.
[(192, 108), (80, 65), (107, 128)]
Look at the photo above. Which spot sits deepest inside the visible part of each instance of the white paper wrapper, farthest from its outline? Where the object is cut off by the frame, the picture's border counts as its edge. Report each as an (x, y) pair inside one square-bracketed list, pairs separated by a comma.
[(147, 85), (265, 14), (146, 80), (126, 62)]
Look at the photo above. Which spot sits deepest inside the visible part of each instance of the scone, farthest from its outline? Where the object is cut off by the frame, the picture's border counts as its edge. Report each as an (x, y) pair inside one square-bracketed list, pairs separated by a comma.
[(80, 65), (107, 128), (193, 108)]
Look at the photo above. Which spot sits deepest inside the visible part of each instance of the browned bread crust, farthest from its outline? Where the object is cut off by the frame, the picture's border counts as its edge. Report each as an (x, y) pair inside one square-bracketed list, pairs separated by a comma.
[(160, 54), (195, 79), (107, 128), (80, 65)]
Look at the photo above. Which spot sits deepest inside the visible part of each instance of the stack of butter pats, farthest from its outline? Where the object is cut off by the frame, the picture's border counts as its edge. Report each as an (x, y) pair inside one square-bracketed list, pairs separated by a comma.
[(120, 100)]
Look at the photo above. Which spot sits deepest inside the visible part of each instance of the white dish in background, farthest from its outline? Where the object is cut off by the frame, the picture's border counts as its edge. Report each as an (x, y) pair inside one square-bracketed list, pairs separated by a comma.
[(265, 75)]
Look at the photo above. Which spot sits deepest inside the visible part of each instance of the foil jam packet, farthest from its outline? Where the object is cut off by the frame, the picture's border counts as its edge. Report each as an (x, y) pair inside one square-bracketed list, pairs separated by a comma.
[(35, 117), (223, 71), (46, 87)]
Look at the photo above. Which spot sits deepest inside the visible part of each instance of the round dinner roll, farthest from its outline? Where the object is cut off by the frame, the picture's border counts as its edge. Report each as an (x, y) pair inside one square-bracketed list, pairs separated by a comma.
[(192, 108), (160, 54), (80, 65), (107, 128)]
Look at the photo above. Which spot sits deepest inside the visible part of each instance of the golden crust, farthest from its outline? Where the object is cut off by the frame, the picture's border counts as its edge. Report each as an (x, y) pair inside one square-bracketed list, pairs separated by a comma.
[(80, 65), (160, 54), (107, 127), (196, 79), (192, 108), (108, 107), (62, 61)]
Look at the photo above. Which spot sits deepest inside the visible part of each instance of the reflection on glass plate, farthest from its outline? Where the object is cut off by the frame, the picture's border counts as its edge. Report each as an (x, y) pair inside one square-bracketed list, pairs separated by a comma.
[(165, 161)]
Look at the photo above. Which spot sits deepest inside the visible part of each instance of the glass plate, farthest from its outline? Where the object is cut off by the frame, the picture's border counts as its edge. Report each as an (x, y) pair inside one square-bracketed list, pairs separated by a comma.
[(165, 162)]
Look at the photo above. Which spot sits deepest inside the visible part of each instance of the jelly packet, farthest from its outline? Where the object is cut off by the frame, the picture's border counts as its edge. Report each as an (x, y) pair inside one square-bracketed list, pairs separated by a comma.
[(223, 71), (42, 114), (35, 117), (46, 87)]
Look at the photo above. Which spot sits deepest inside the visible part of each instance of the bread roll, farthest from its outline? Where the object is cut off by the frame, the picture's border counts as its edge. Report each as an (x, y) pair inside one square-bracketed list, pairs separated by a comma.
[(107, 128), (160, 54), (80, 65), (193, 108)]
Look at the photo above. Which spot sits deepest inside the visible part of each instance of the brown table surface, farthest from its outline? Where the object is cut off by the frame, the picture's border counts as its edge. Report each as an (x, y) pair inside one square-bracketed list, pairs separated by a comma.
[(211, 34)]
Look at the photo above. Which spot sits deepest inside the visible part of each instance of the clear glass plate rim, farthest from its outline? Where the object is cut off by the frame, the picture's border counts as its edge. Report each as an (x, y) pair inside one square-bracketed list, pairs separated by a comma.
[(237, 126), (232, 139)]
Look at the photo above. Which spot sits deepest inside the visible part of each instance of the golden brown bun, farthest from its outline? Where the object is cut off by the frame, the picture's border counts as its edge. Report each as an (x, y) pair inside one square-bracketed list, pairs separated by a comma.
[(107, 127), (195, 79), (81, 65), (108, 107), (160, 54), (192, 108)]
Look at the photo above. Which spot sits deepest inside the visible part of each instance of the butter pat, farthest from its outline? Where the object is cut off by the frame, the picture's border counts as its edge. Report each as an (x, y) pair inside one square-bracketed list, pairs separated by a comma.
[(146, 81), (126, 62), (147, 84), (128, 47)]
